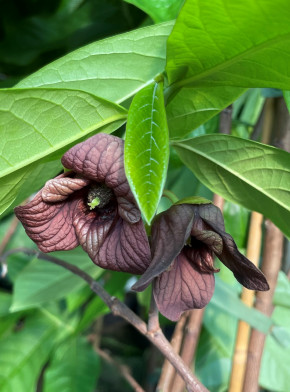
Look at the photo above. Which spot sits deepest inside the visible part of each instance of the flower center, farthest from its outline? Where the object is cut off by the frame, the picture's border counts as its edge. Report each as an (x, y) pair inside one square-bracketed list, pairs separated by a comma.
[(99, 195)]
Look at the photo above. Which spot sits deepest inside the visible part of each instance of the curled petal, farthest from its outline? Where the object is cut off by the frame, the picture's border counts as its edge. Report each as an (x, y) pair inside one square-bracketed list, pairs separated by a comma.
[(101, 159), (170, 231), (128, 210), (49, 225), (125, 248), (211, 214), (61, 187), (244, 270), (182, 288), (210, 238)]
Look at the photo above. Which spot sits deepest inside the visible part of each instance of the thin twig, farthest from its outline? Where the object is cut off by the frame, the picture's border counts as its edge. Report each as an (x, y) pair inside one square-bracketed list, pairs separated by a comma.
[(124, 370), (120, 309), (153, 320), (9, 234)]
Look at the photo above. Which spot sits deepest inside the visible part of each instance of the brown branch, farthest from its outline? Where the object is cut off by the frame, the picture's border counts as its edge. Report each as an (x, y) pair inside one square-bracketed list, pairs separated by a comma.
[(124, 370), (120, 309), (168, 370), (248, 296), (271, 265), (191, 335)]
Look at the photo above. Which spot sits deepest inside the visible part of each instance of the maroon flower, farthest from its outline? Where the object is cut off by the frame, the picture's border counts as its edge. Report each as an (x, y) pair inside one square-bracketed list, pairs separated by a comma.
[(91, 206), (185, 239)]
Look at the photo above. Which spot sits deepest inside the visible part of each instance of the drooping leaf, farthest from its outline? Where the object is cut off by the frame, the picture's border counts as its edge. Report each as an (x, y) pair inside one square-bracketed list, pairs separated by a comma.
[(225, 43), (147, 148), (74, 367), (38, 125), (161, 10), (42, 282), (254, 175), (193, 106), (23, 354), (114, 68)]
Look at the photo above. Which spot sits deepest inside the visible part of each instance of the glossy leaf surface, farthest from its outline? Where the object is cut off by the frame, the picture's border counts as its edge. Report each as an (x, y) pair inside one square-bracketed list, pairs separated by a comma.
[(147, 148), (254, 175)]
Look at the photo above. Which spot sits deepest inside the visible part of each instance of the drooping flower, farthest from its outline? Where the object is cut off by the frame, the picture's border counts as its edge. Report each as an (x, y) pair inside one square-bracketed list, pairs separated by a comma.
[(92, 206), (185, 239)]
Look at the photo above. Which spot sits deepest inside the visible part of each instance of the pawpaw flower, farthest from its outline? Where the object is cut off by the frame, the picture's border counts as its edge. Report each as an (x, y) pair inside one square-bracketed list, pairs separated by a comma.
[(185, 239), (91, 205)]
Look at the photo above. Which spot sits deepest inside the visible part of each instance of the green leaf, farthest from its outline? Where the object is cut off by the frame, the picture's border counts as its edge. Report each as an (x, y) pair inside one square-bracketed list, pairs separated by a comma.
[(191, 107), (114, 68), (147, 148), (74, 367), (242, 44), (274, 372), (23, 354), (42, 282), (159, 11), (282, 291), (37, 125), (193, 200), (252, 174)]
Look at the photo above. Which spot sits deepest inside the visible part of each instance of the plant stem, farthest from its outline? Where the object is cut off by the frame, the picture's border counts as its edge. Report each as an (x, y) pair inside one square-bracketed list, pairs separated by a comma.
[(120, 309), (170, 195)]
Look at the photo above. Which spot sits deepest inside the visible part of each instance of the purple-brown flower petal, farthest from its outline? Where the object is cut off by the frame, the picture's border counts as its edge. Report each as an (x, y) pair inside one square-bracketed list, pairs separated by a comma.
[(182, 288), (125, 248), (92, 227), (61, 187), (101, 159), (128, 211), (49, 225), (170, 231), (243, 269)]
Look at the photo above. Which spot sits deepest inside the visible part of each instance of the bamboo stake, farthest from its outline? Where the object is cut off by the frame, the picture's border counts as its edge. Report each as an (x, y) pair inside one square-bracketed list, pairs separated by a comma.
[(248, 296)]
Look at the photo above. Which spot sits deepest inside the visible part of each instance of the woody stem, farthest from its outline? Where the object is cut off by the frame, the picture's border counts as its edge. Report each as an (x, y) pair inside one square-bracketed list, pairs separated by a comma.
[(119, 308)]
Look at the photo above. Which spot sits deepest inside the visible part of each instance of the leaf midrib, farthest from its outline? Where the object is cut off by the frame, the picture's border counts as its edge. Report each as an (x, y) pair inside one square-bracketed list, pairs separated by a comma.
[(236, 174), (227, 63)]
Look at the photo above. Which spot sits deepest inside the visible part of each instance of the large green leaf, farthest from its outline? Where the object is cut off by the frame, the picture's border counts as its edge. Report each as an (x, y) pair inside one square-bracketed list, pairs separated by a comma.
[(42, 282), (254, 175), (193, 106), (114, 68), (161, 10), (74, 367), (147, 148), (23, 354), (229, 43), (37, 125)]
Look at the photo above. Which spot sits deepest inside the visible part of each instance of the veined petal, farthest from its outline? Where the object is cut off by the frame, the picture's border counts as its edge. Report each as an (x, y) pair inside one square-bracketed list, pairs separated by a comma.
[(125, 248), (49, 225), (92, 227), (183, 287), (61, 187), (101, 159), (170, 231), (128, 210)]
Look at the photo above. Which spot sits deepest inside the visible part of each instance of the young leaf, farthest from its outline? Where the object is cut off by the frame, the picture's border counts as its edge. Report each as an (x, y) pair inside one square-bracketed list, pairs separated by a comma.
[(254, 175), (114, 68), (147, 148), (38, 125), (227, 43), (192, 106), (74, 367)]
